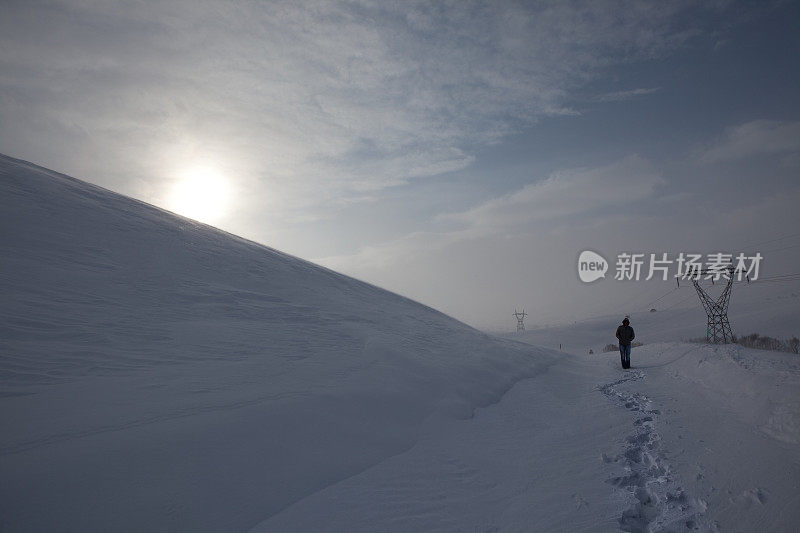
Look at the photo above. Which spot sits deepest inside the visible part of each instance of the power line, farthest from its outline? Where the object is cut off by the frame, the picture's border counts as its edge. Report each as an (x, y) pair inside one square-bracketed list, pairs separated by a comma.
[(678, 303), (776, 276), (662, 296), (647, 290), (782, 248), (794, 276), (772, 240)]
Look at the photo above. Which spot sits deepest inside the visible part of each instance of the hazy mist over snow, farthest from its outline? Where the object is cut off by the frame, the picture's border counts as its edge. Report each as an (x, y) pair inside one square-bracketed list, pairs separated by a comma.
[(462, 154)]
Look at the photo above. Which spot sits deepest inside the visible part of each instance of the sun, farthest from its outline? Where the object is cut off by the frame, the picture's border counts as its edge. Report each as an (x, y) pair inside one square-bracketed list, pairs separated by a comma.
[(201, 194)]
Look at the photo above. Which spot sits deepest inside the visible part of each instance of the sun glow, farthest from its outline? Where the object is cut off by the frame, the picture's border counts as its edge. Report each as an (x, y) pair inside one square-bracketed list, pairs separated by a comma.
[(201, 194)]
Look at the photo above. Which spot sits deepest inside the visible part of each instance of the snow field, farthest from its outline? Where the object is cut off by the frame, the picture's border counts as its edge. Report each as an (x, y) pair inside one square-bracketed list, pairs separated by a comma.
[(161, 375)]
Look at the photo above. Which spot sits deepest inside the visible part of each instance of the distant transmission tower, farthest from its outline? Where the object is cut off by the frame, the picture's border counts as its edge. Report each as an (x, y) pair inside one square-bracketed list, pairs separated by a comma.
[(520, 317), (719, 329)]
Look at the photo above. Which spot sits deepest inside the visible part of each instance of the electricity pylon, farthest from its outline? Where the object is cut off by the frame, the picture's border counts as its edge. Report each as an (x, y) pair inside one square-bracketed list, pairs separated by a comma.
[(718, 330), (520, 317)]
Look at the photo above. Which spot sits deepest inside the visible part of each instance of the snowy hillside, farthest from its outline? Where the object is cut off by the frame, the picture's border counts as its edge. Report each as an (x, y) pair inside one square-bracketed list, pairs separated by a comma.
[(160, 374)]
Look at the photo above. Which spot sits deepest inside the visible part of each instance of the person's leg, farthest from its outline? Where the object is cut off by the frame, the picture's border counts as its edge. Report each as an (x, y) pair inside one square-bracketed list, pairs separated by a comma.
[(622, 354), (628, 355)]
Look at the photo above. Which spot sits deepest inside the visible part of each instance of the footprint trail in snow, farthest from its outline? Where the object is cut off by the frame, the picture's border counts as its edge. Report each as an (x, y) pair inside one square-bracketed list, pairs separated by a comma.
[(657, 500)]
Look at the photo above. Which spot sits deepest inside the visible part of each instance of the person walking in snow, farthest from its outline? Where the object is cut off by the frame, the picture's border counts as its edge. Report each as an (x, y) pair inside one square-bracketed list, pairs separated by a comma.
[(625, 335)]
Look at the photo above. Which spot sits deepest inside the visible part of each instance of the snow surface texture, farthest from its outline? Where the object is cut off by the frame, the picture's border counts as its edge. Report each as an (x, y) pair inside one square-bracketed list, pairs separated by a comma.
[(692, 438), (157, 373), (160, 375)]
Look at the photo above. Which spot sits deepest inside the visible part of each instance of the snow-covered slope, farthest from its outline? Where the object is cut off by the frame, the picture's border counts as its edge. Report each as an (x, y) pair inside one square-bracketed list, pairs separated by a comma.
[(693, 438), (159, 374)]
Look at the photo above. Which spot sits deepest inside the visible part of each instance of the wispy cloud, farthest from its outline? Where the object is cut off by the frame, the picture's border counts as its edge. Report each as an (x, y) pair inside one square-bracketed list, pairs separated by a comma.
[(564, 194), (620, 96), (564, 197), (759, 137), (309, 103)]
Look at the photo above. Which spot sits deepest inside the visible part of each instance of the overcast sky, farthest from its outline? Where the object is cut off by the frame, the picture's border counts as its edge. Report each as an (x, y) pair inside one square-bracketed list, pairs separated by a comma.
[(460, 153)]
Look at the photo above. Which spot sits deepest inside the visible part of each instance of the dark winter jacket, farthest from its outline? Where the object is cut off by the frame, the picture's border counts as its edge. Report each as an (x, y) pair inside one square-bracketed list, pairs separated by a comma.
[(625, 335)]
